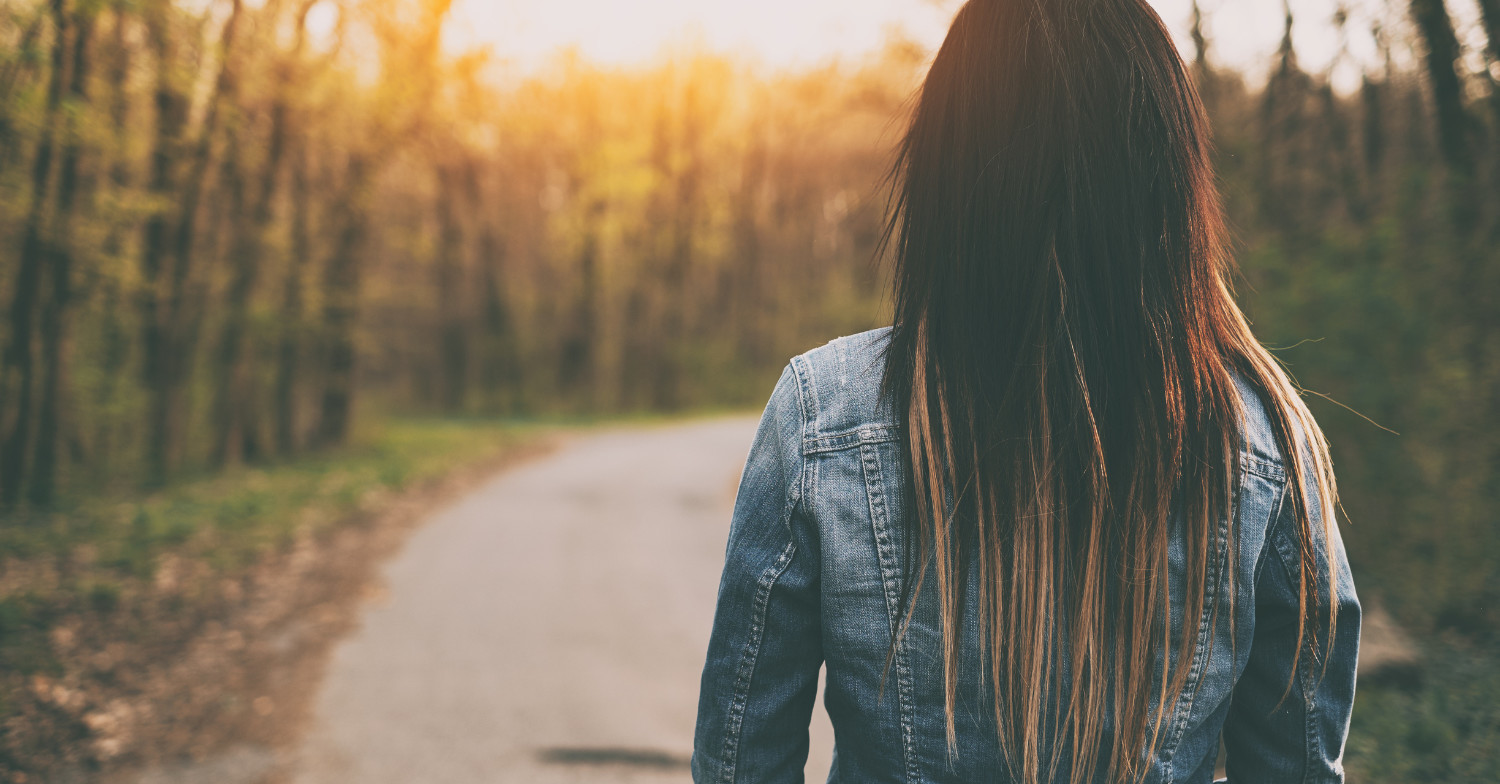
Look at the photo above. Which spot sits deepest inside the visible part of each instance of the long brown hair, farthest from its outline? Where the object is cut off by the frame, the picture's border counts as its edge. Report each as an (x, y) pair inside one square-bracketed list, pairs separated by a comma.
[(1063, 361)]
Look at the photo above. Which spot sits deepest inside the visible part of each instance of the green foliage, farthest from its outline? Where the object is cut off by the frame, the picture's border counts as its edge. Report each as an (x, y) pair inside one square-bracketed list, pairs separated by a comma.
[(1445, 727), (1383, 321), (1374, 272), (590, 241)]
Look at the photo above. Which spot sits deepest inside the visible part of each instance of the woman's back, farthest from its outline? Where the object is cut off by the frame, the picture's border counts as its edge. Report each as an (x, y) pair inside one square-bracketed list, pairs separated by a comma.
[(816, 574), (1065, 519)]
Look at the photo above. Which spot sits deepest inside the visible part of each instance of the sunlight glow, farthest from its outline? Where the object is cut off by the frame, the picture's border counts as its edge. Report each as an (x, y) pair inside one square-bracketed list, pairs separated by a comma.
[(779, 33), (1244, 34)]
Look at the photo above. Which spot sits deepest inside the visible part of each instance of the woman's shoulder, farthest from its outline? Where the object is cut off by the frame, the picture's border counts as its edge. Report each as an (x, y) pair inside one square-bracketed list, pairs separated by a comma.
[(1259, 448), (839, 390)]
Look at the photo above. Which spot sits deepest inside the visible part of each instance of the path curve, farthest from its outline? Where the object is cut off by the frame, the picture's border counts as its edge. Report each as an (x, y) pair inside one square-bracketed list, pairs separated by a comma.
[(548, 627), (551, 625)]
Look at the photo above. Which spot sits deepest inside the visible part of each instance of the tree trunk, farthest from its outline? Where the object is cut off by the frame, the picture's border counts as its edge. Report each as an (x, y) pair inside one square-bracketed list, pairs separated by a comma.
[(1372, 97), (115, 351), (1463, 197), (292, 329), (19, 359), (643, 354), (747, 294), (500, 370), (579, 352), (1342, 148), (171, 119), (235, 405), (1442, 53), (8, 80), (669, 380), (414, 65), (1489, 14), (231, 377), (1279, 178), (453, 338), (341, 290), (291, 332), (178, 332), (1202, 72), (55, 315)]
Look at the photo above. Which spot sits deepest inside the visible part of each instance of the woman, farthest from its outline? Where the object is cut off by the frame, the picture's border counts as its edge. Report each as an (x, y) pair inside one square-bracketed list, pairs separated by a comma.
[(1066, 521)]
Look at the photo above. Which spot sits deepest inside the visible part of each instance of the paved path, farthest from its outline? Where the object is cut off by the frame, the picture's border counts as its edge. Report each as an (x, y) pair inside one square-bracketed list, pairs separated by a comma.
[(549, 627)]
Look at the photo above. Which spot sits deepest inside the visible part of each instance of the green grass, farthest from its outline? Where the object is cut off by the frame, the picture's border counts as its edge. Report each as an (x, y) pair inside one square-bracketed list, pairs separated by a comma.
[(94, 554), (91, 555)]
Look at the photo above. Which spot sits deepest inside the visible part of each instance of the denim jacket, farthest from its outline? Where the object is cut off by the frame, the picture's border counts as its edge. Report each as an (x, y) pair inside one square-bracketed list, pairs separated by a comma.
[(813, 577)]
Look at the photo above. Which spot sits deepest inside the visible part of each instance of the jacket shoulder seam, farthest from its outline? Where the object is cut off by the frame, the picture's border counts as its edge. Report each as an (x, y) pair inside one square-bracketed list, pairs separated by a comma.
[(847, 439), (808, 405)]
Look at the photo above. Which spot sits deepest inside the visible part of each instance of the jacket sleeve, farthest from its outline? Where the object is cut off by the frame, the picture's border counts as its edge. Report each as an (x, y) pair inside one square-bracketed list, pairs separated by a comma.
[(1281, 735), (765, 651)]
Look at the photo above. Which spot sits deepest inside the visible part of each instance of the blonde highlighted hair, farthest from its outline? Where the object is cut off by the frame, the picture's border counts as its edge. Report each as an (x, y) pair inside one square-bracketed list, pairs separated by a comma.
[(1063, 362)]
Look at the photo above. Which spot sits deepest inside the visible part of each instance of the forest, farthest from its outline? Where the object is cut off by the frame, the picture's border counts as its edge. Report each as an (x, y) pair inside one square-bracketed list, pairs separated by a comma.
[(232, 232)]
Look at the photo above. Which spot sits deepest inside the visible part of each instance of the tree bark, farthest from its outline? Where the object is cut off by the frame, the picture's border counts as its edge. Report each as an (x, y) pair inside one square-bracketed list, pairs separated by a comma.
[(748, 289), (235, 402), (292, 329), (19, 359), (412, 55), (55, 315), (171, 120), (579, 352), (1279, 179), (1441, 55), (179, 337), (341, 291), (453, 336), (500, 370), (669, 380), (1342, 136), (1202, 72), (232, 438), (1489, 14), (116, 349), (645, 346), (1373, 99), (8, 80)]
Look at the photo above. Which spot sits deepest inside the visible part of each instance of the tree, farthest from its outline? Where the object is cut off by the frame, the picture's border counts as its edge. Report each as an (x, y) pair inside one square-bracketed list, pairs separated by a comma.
[(408, 59), (55, 312), (170, 121), (1441, 57), (235, 409), (36, 252)]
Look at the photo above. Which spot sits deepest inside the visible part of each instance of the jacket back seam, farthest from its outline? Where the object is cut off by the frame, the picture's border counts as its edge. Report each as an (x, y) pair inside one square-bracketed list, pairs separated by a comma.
[(890, 579), (1183, 713), (745, 674)]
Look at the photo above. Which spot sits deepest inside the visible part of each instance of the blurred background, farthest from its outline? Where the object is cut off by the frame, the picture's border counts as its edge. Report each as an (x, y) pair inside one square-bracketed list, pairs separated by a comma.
[(268, 265)]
